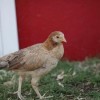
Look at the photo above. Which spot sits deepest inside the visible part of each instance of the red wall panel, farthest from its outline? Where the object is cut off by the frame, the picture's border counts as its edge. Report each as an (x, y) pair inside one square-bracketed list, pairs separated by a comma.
[(78, 19)]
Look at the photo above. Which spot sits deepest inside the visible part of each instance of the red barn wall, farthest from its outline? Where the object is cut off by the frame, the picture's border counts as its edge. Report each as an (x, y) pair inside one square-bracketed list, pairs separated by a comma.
[(78, 19)]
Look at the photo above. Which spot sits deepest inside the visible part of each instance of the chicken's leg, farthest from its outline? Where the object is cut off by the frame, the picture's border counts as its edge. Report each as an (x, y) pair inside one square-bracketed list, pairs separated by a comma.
[(19, 88), (34, 83)]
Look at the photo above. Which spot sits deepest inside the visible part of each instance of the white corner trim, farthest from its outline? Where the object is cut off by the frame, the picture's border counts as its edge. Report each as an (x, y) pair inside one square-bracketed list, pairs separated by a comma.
[(8, 27), (1, 46)]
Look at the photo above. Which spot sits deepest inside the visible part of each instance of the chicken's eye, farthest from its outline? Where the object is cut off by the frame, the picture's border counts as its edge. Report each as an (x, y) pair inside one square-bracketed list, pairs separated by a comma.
[(57, 36)]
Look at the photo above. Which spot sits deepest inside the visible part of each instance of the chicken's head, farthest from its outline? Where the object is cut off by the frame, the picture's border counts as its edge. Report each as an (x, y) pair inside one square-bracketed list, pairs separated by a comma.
[(57, 37), (54, 39)]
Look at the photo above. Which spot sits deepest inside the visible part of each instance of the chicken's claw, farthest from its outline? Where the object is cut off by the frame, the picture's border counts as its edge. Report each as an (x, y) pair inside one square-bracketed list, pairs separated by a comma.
[(19, 95), (43, 97)]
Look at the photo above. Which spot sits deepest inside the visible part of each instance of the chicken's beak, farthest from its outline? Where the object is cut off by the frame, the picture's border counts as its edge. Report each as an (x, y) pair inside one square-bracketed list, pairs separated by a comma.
[(64, 40)]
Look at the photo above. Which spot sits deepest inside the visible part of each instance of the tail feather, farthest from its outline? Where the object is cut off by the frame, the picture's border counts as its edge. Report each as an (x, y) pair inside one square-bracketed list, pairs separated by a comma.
[(3, 64)]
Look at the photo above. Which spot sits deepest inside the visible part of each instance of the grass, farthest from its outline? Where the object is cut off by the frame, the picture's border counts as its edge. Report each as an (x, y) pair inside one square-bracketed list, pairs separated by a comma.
[(81, 82)]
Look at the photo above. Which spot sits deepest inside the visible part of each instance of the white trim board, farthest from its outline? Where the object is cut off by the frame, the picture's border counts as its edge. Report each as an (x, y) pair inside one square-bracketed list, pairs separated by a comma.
[(8, 27), (1, 46)]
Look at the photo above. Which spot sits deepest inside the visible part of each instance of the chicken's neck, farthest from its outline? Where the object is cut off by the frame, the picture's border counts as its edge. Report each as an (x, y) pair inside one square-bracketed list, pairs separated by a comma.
[(49, 44)]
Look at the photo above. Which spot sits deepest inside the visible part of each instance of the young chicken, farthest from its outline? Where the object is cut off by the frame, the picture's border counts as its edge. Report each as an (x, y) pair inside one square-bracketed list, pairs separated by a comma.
[(36, 60)]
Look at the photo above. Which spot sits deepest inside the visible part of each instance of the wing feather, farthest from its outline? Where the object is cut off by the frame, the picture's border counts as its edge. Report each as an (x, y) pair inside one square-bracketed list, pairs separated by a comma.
[(29, 58)]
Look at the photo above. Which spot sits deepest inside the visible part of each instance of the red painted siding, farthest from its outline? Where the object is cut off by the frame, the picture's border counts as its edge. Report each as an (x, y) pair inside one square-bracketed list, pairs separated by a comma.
[(78, 19)]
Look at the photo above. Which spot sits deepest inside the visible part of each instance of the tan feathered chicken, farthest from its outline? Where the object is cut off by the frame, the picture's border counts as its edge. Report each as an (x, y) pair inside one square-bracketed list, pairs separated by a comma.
[(36, 60)]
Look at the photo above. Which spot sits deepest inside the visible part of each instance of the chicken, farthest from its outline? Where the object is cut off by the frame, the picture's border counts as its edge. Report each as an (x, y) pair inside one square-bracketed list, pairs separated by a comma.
[(36, 60)]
